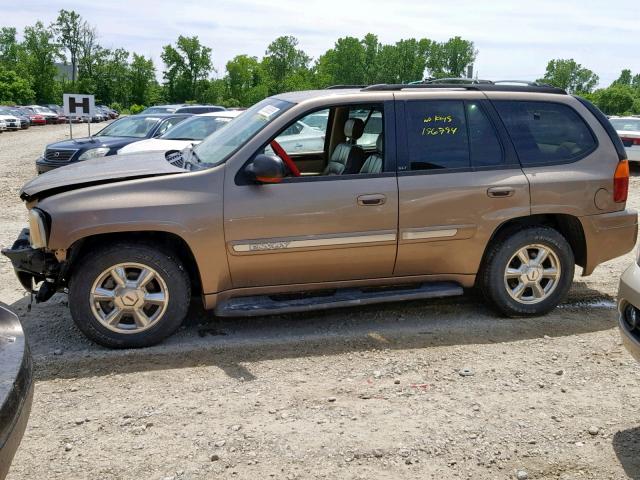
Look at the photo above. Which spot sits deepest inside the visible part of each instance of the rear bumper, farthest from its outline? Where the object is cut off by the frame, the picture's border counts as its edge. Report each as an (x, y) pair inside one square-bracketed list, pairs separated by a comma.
[(629, 297), (608, 236), (16, 387), (633, 153)]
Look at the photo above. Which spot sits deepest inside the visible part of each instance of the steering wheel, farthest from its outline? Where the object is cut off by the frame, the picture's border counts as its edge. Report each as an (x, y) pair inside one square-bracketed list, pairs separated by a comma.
[(279, 151)]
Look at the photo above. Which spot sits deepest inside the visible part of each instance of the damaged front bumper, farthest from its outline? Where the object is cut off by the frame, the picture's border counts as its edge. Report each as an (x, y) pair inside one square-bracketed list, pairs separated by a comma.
[(33, 266)]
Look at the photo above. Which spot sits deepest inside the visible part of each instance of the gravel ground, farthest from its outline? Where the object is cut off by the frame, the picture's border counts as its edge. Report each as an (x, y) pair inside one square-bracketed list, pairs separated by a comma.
[(440, 390)]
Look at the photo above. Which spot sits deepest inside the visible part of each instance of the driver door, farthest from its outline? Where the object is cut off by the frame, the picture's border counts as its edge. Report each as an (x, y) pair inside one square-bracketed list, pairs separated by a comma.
[(314, 228)]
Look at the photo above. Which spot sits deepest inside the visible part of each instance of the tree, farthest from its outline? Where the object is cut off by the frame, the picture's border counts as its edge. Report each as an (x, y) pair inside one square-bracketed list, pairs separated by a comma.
[(624, 79), (344, 64), (142, 74), (615, 100), (569, 75), (39, 54), (15, 89), (283, 60), (451, 58), (187, 64), (9, 48), (69, 28), (403, 62), (245, 80)]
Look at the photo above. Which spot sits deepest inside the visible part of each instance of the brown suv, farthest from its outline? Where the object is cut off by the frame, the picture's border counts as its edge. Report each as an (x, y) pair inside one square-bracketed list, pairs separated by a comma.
[(340, 197)]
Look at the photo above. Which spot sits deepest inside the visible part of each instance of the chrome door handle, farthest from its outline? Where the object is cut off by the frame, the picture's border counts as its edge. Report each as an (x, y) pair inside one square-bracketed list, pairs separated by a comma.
[(372, 200), (501, 192)]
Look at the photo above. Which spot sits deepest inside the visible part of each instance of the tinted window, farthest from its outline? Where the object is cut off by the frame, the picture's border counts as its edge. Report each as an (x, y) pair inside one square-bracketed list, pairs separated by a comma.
[(545, 132), (483, 139), (436, 135)]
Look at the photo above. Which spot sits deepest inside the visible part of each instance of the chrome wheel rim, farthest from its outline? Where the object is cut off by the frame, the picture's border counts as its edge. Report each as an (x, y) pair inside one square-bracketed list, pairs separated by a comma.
[(129, 298), (532, 274)]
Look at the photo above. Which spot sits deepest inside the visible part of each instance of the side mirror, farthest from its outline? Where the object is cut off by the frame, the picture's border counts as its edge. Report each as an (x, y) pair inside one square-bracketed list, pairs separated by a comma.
[(266, 169)]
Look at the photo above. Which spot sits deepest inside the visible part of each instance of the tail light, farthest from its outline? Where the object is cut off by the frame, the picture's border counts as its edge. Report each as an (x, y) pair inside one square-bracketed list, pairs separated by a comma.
[(629, 141), (621, 182)]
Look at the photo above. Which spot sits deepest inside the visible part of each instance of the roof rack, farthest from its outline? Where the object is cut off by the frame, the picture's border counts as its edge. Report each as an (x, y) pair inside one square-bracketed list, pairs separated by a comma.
[(483, 87), (454, 80), (338, 87)]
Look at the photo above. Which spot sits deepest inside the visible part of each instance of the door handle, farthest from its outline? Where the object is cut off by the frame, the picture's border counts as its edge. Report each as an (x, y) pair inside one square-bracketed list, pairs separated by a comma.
[(501, 192), (372, 200)]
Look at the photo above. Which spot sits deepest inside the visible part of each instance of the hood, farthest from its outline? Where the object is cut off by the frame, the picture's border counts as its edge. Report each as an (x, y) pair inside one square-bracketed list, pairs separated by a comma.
[(158, 145), (98, 171), (86, 143)]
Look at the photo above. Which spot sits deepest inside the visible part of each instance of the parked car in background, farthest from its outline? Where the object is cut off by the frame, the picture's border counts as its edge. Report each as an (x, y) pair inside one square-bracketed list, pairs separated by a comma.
[(50, 116), (629, 130), (197, 109), (190, 132), (3, 125), (25, 122), (62, 118), (107, 141), (34, 118), (162, 109), (13, 122), (16, 387), (629, 308), (110, 111)]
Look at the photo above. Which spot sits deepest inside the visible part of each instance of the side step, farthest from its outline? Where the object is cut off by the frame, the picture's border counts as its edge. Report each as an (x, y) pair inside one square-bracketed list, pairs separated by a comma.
[(348, 297)]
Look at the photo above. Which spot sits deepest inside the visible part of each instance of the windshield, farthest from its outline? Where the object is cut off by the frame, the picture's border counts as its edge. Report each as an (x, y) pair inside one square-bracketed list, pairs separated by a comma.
[(42, 110), (134, 127), (196, 128), (626, 124), (224, 142), (158, 110)]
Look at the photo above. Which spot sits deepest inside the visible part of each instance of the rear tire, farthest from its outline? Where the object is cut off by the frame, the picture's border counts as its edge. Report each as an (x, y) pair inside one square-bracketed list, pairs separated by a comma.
[(514, 281), (128, 295)]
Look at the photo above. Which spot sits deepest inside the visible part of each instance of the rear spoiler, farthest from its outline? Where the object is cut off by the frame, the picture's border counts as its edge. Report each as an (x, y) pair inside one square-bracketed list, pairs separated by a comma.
[(606, 124)]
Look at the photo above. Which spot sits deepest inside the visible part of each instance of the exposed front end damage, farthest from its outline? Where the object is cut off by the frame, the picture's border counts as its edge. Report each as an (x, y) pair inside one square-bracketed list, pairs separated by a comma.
[(35, 266)]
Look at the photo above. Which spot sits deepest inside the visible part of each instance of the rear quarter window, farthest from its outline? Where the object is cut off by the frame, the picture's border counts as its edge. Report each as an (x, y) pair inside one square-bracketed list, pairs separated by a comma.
[(545, 132)]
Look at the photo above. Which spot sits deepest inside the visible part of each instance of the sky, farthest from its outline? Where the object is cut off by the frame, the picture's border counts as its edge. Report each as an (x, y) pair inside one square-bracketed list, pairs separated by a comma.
[(515, 40)]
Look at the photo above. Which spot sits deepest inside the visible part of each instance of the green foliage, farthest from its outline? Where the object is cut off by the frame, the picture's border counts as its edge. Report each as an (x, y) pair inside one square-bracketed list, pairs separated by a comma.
[(68, 31), (615, 100), (38, 55), (285, 66), (15, 89), (451, 58), (571, 76), (188, 63), (135, 108)]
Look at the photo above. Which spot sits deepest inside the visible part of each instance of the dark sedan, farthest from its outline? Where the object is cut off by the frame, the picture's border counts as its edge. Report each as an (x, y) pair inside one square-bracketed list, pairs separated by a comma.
[(107, 141), (16, 387)]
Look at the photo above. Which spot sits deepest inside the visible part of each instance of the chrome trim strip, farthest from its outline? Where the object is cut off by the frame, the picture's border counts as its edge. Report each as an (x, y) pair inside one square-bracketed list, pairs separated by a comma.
[(285, 244), (422, 234)]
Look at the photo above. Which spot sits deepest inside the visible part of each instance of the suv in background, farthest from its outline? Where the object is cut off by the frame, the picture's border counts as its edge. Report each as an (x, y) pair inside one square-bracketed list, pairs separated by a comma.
[(629, 130), (503, 187)]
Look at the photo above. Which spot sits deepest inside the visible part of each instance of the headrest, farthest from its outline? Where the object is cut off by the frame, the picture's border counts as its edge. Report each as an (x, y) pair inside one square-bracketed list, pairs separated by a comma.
[(353, 128), (379, 145)]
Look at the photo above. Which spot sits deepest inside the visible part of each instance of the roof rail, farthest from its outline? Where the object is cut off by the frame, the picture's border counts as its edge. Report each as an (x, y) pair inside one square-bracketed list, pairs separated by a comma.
[(338, 87), (483, 87), (455, 80), (522, 82)]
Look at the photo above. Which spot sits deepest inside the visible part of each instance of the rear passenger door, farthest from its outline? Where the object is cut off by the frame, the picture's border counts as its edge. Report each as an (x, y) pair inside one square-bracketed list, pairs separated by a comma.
[(458, 180)]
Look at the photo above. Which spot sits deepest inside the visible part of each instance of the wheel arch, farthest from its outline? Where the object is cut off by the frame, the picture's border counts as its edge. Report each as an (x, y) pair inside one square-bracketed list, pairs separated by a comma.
[(568, 226), (167, 241)]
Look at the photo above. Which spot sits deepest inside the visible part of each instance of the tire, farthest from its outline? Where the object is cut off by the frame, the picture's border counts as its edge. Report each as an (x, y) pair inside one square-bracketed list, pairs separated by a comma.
[(527, 289), (109, 309)]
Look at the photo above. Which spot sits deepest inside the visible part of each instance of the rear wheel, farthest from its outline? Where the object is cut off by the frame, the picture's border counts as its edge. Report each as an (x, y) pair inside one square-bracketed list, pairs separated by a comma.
[(129, 295), (527, 272)]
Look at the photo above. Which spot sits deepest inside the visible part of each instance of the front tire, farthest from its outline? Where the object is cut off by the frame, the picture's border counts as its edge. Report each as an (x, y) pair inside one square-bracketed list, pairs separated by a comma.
[(128, 295), (527, 272)]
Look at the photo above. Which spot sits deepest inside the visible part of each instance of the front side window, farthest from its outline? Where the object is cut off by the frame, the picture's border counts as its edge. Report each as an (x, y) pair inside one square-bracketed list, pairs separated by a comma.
[(436, 135), (218, 146), (300, 137), (134, 127), (545, 132), (167, 125)]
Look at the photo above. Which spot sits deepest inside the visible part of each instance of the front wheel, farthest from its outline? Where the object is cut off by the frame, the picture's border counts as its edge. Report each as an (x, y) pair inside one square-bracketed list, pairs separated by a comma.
[(528, 272), (129, 295)]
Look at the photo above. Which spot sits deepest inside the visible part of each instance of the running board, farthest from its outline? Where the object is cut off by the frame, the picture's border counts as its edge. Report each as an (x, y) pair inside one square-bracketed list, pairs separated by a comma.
[(348, 297)]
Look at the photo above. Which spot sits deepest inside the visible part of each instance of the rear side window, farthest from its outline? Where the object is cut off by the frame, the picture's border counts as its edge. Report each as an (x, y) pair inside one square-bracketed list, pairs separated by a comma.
[(545, 132), (486, 150), (436, 135)]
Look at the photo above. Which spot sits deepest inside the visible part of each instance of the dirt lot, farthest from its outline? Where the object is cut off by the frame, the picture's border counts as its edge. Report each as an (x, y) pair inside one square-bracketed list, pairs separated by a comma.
[(362, 394)]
